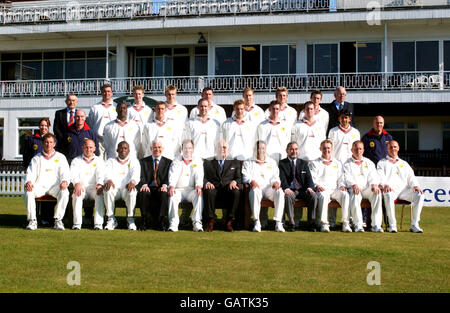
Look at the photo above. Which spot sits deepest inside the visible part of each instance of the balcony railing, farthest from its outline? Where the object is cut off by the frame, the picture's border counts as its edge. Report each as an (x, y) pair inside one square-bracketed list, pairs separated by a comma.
[(69, 11), (407, 81)]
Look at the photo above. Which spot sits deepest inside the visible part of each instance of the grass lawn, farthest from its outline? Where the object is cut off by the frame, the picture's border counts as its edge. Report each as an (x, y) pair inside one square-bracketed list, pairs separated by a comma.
[(152, 261)]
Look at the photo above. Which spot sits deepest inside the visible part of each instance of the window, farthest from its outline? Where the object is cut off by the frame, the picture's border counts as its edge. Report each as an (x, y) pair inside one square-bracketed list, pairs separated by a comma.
[(407, 134), (369, 57), (446, 55), (446, 137), (27, 127), (275, 60), (322, 58), (416, 56), (1, 138), (228, 61), (201, 61), (155, 62)]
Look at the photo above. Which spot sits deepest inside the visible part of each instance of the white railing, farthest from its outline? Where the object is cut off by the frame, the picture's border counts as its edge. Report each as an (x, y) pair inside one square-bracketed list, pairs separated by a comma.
[(12, 183), (89, 10), (408, 81)]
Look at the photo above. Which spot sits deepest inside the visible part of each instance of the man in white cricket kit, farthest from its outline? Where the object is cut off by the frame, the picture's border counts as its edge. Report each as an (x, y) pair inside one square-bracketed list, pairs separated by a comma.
[(120, 130), (240, 133), (101, 114), (122, 175), (328, 178), (88, 176), (214, 111), (139, 111), (47, 173), (287, 114), (362, 180), (263, 175), (252, 112), (204, 132), (308, 134), (163, 130), (398, 181), (185, 183), (320, 114), (275, 133), (176, 112)]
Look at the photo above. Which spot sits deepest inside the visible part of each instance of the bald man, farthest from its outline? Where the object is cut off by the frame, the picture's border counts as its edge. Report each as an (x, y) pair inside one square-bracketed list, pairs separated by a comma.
[(376, 140), (338, 104)]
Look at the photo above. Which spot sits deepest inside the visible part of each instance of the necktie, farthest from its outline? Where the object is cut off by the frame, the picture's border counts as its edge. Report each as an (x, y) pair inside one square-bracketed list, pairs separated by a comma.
[(70, 118), (341, 106), (154, 173), (221, 165), (295, 183)]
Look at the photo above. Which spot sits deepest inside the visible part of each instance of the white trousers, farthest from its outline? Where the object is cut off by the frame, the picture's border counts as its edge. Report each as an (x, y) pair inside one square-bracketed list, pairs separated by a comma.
[(62, 198), (375, 202), (407, 194), (324, 198), (277, 196), (116, 194), (185, 194), (77, 206)]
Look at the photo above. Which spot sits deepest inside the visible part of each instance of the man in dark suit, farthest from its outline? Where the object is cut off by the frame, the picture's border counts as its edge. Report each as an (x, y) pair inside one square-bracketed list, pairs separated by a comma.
[(336, 106), (63, 119), (222, 180), (298, 186), (153, 196)]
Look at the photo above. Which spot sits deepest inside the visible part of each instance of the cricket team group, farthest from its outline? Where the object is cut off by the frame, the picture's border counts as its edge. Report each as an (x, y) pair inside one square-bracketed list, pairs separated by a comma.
[(156, 158)]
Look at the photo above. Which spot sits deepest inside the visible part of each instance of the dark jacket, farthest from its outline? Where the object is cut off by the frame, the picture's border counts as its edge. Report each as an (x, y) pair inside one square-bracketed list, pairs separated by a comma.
[(231, 171), (334, 113), (32, 147), (302, 174), (375, 147), (74, 140), (162, 176)]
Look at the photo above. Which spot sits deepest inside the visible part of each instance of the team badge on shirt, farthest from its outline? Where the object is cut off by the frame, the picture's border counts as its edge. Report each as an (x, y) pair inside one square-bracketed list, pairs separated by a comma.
[(194, 165), (69, 139), (56, 160), (35, 147), (372, 144)]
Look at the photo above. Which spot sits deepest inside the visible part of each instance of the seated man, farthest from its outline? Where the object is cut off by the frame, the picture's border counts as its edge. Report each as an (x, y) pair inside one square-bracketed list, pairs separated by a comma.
[(398, 181), (87, 171), (328, 178), (222, 177), (122, 174), (153, 196), (185, 183), (361, 179), (297, 183), (263, 176), (48, 173)]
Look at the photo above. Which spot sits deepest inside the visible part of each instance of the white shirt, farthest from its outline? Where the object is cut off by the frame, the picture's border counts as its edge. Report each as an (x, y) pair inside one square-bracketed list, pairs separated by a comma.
[(216, 112), (122, 172), (178, 114), (47, 171), (99, 116), (205, 136), (276, 135), (241, 138), (88, 173), (140, 114), (254, 114), (327, 173), (167, 133), (287, 115), (342, 141), (321, 116), (264, 173), (308, 138), (117, 131), (398, 175), (361, 173), (182, 175)]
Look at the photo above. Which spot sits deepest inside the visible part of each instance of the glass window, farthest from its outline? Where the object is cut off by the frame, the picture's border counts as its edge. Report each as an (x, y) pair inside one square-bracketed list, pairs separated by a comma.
[(163, 66), (369, 57), (96, 68), (180, 50), (403, 56), (407, 134), (163, 51), (53, 55), (75, 69), (31, 70), (53, 69), (427, 56), (446, 137), (144, 67), (75, 54), (10, 70), (201, 65), (27, 127), (32, 56), (96, 54), (446, 55), (275, 60), (10, 56), (322, 58), (144, 52), (292, 59), (228, 61), (1, 139), (201, 50)]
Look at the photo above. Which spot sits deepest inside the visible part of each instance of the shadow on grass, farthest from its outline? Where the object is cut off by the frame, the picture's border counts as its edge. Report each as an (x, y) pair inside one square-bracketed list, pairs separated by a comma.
[(13, 220)]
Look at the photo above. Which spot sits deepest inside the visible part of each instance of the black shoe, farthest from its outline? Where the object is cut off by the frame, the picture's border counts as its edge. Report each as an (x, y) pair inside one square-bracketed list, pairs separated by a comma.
[(291, 228)]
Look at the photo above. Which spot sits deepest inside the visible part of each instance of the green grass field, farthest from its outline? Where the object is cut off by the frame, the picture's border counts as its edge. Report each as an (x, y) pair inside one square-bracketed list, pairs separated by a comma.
[(151, 261)]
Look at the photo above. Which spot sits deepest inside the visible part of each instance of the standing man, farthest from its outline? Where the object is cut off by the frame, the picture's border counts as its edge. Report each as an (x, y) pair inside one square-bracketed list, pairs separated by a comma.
[(101, 114), (122, 174), (398, 181), (139, 112), (320, 115), (222, 178), (63, 119), (153, 187), (185, 183), (48, 173), (263, 176), (214, 111), (288, 114), (88, 175), (328, 178), (176, 112), (252, 112), (77, 134), (204, 131), (362, 180), (338, 104), (240, 133), (120, 130), (297, 183)]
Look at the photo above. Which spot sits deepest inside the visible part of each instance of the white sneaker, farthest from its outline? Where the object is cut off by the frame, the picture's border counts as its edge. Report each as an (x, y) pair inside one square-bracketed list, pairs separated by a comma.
[(111, 224), (346, 228), (359, 229), (59, 225), (131, 224), (415, 229), (32, 225), (377, 229), (279, 227), (197, 227), (392, 229), (76, 227), (325, 228), (98, 227), (173, 229), (257, 227)]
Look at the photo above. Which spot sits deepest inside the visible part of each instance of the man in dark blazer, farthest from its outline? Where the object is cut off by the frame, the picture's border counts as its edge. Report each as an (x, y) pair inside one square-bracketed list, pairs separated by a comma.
[(298, 186), (63, 119), (152, 188), (336, 106), (222, 180)]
